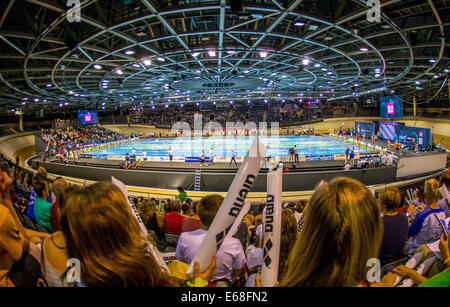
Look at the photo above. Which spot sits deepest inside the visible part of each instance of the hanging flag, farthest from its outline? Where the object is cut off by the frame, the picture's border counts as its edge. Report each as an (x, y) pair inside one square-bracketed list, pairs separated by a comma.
[(272, 228), (231, 206)]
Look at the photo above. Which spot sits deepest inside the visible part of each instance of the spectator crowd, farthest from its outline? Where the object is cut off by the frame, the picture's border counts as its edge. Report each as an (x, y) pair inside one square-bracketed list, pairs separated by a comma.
[(44, 223)]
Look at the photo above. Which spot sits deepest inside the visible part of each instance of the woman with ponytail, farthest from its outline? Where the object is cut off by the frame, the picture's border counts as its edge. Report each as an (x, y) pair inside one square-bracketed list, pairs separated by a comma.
[(425, 226)]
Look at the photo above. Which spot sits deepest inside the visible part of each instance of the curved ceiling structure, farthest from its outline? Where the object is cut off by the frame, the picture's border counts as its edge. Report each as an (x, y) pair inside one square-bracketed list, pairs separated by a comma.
[(180, 51)]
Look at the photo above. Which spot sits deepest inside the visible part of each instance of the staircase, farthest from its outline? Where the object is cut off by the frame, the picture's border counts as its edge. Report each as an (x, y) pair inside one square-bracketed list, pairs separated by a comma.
[(198, 175)]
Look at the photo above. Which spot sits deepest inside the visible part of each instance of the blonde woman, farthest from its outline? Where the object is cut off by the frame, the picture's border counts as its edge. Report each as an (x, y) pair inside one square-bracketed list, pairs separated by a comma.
[(342, 231), (288, 237), (100, 230), (425, 226)]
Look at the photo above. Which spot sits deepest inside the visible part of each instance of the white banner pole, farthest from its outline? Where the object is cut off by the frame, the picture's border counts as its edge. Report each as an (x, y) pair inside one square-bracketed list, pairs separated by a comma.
[(231, 206), (272, 228)]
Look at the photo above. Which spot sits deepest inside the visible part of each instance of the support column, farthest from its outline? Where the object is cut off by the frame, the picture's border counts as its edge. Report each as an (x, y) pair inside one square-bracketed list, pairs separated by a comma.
[(414, 106), (21, 122)]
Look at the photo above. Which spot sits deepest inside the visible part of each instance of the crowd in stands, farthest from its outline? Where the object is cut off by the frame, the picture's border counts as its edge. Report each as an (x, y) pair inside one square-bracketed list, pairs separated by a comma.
[(284, 114), (44, 223), (67, 141)]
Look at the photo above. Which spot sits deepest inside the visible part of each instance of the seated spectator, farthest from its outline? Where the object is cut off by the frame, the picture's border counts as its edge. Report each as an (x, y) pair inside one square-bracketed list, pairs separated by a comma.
[(288, 238), (42, 208), (249, 218), (191, 223), (425, 226), (395, 226), (173, 218), (19, 259), (254, 264), (443, 202), (299, 207), (108, 241), (59, 185), (258, 218), (230, 257), (439, 280), (186, 210), (152, 219), (342, 231)]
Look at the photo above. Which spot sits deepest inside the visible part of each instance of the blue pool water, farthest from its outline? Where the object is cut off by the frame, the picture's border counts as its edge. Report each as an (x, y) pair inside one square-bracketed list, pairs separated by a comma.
[(222, 146)]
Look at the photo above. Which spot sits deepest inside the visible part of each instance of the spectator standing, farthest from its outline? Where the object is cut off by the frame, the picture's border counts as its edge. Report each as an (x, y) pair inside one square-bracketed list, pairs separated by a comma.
[(182, 196), (233, 158)]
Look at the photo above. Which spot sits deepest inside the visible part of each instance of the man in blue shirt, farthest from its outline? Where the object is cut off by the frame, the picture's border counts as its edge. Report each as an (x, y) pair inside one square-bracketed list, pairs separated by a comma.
[(352, 158)]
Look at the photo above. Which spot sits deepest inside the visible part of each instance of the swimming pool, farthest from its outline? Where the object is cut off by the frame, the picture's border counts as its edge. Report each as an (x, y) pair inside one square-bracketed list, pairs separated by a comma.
[(310, 147)]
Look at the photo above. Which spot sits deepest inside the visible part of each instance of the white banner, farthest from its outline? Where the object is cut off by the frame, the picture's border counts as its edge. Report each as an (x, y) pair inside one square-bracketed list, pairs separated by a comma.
[(272, 228), (231, 206), (239, 219), (151, 248)]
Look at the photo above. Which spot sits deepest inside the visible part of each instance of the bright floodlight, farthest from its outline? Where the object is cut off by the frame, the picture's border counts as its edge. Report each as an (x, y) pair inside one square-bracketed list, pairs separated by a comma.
[(119, 72), (212, 53), (263, 54), (196, 54), (305, 61), (147, 62), (129, 52), (97, 66)]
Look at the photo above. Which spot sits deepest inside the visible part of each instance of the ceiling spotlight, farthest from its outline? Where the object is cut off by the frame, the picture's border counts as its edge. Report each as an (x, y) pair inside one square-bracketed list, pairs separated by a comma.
[(119, 72), (97, 66), (432, 61), (377, 70), (356, 84), (246, 71), (231, 51), (136, 65), (196, 54), (129, 52), (317, 65), (417, 82), (446, 70), (49, 85), (364, 49), (212, 53), (305, 61), (147, 62), (299, 23), (436, 76), (161, 59), (263, 54)]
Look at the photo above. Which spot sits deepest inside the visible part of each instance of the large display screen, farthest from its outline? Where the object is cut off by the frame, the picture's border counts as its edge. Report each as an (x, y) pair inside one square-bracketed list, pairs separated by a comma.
[(391, 106), (407, 135), (87, 117), (387, 130), (365, 128)]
